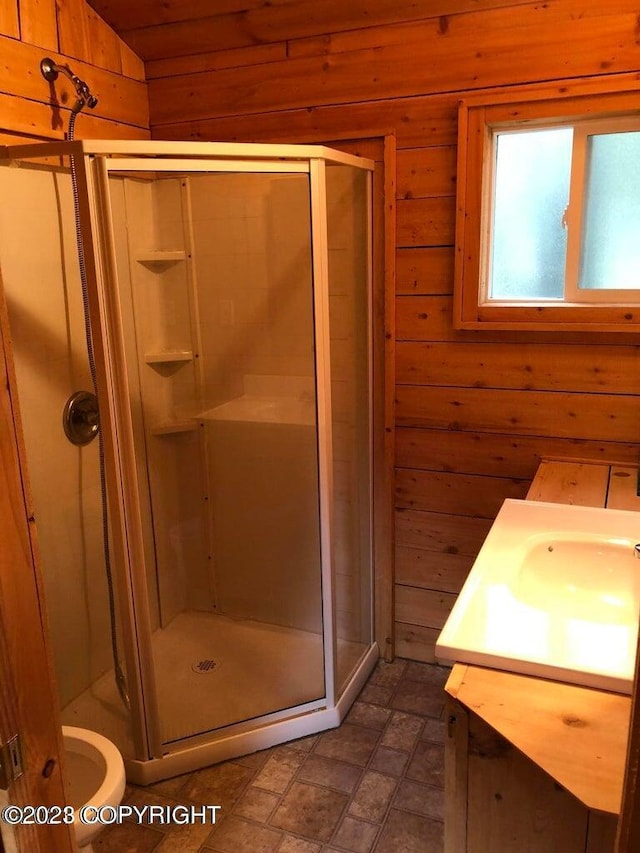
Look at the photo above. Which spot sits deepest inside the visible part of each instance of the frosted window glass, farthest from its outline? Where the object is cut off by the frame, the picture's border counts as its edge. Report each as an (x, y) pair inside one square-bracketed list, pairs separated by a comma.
[(611, 229), (530, 196)]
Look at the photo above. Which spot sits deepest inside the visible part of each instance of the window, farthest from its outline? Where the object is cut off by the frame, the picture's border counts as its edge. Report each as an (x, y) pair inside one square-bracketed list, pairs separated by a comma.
[(548, 230)]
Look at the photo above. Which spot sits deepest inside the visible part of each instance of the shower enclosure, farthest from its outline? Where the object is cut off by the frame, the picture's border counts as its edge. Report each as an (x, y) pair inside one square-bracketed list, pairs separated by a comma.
[(229, 294)]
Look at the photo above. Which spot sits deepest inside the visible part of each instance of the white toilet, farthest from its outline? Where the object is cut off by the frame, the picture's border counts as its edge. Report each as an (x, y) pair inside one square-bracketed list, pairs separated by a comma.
[(95, 776)]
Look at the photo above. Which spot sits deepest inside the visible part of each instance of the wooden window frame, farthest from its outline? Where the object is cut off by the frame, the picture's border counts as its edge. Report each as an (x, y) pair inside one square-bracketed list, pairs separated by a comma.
[(477, 119)]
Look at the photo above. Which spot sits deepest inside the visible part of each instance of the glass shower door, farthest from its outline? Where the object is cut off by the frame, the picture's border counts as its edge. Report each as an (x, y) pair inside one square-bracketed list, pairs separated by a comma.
[(215, 284)]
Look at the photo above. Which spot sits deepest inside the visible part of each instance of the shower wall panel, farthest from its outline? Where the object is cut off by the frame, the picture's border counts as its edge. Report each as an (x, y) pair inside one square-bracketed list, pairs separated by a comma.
[(251, 246), (162, 343), (41, 279), (265, 514), (121, 245), (229, 247), (251, 250)]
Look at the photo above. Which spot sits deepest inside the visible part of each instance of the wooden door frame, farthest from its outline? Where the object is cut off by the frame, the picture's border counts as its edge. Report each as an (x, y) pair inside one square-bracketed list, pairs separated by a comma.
[(28, 703)]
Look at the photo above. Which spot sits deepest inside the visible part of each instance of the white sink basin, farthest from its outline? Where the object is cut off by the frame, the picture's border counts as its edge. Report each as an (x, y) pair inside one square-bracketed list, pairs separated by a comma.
[(554, 592)]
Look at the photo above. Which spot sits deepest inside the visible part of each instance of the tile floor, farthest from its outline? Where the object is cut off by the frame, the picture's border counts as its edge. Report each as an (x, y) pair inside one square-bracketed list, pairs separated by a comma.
[(373, 785)]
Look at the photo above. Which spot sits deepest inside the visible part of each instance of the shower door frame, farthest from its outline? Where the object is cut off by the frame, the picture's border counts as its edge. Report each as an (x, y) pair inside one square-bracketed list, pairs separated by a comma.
[(94, 160), (97, 185), (98, 188)]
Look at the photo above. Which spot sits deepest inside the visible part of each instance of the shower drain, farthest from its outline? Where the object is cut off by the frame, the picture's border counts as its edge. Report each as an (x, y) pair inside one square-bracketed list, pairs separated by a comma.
[(207, 665)]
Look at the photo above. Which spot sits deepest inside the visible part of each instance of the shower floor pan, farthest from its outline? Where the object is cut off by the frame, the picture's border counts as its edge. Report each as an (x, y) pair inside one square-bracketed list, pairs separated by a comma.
[(213, 671), (257, 669)]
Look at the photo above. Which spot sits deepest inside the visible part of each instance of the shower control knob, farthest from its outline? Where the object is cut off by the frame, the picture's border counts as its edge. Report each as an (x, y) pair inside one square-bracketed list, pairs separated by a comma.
[(81, 418)]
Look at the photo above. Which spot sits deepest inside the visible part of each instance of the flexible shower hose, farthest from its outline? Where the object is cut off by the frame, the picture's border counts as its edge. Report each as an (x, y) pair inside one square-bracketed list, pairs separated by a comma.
[(119, 674)]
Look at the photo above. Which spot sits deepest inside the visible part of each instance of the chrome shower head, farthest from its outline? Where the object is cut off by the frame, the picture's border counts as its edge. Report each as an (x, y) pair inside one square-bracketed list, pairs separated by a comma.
[(50, 71)]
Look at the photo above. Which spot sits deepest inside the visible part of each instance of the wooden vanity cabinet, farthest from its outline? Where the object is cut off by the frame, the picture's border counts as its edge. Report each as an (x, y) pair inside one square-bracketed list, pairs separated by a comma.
[(499, 801)]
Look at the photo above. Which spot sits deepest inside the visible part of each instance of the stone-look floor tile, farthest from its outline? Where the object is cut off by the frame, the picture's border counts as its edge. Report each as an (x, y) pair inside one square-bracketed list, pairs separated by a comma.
[(330, 773), (389, 761), (422, 799), (410, 833), (427, 764), (376, 695), (373, 796), (141, 797), (428, 673), (353, 744), (308, 808), (254, 760), (369, 716), (403, 731), (169, 787), (304, 744), (290, 844), (310, 811), (388, 674), (434, 730), (219, 785), (237, 835), (279, 770), (256, 804), (418, 697), (356, 835), (128, 838), (187, 838)]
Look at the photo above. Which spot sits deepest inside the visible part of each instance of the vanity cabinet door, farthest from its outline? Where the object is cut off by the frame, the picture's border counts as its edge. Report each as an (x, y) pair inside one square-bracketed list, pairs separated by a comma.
[(497, 799)]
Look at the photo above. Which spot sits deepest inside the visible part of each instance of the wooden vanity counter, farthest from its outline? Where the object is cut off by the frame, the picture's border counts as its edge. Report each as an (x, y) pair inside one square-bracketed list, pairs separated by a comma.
[(577, 735)]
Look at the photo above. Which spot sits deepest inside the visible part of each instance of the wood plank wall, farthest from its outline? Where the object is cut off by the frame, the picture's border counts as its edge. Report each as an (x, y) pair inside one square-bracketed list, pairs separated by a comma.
[(68, 31), (475, 411)]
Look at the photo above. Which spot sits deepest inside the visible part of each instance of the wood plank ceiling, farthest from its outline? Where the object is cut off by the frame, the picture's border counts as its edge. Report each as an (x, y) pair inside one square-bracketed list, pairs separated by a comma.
[(173, 28)]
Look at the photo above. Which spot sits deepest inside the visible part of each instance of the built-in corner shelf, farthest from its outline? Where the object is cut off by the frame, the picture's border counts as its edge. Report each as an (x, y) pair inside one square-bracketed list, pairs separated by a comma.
[(160, 258), (172, 427), (168, 357)]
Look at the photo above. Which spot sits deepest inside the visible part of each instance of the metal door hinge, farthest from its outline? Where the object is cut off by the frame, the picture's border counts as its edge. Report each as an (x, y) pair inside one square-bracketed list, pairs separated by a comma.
[(10, 762)]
